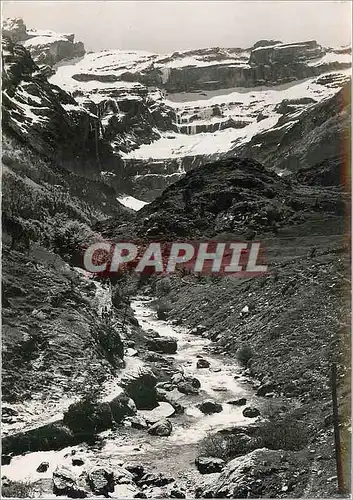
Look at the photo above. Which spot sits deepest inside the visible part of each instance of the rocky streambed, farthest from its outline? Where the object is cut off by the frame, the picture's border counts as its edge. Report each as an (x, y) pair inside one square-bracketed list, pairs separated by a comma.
[(144, 462)]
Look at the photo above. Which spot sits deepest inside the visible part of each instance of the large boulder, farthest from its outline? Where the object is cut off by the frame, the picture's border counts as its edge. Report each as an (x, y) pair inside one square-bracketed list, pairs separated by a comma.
[(141, 387), (48, 437), (209, 465), (101, 481), (87, 417), (122, 406), (163, 410), (189, 385), (210, 406), (171, 398), (162, 428), (64, 483), (165, 345)]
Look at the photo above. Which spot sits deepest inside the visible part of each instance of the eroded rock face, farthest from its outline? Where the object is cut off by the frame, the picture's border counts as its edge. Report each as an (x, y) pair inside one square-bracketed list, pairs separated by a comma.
[(46, 47), (46, 117)]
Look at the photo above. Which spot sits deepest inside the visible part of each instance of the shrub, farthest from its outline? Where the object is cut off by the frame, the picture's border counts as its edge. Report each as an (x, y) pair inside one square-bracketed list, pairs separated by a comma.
[(227, 447), (68, 236), (286, 434), (244, 354), (213, 445), (88, 417), (163, 287), (17, 489)]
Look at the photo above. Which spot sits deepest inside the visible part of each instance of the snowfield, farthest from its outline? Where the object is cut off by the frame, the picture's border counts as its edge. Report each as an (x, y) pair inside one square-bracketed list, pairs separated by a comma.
[(244, 103)]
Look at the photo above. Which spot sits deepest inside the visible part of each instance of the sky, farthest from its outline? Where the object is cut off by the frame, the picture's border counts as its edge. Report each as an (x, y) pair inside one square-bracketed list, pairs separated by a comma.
[(166, 26)]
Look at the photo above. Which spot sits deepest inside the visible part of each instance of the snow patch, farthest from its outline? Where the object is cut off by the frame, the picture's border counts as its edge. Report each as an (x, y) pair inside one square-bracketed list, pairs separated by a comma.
[(131, 202)]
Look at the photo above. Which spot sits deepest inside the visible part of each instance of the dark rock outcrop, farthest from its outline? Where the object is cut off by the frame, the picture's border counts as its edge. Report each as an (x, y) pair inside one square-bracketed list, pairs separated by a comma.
[(47, 118), (209, 465)]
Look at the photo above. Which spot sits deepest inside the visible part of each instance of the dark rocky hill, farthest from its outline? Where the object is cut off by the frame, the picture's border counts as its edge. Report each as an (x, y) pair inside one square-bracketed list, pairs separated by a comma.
[(235, 196)]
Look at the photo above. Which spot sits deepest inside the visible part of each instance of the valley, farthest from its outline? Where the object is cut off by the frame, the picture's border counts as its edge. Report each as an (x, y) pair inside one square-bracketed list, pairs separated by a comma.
[(176, 385)]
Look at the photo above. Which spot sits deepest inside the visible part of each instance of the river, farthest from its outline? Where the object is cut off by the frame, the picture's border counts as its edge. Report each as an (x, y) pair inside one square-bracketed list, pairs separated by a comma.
[(173, 455)]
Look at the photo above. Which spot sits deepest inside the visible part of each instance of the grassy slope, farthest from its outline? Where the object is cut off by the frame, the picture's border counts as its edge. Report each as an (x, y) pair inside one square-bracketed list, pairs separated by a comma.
[(298, 324)]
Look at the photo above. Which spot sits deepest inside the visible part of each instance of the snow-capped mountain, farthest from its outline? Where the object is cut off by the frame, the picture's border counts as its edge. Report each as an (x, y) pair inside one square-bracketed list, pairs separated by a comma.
[(166, 114)]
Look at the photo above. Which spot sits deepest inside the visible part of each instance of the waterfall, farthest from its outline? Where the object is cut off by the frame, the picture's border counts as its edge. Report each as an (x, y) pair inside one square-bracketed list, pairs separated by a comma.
[(165, 72)]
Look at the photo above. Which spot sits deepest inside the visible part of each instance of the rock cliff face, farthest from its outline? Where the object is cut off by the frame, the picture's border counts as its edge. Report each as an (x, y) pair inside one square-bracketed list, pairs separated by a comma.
[(47, 118), (165, 115), (303, 138), (46, 47)]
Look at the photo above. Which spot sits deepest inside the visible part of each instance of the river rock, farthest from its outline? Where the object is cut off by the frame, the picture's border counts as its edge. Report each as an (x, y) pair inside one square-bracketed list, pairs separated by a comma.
[(64, 483), (164, 345), (122, 406), (122, 476), (171, 398), (43, 467), (6, 459), (101, 481), (251, 412), (141, 387), (237, 402), (177, 492), (177, 378), (161, 428), (202, 363), (136, 422), (151, 479), (189, 385), (209, 465), (210, 406), (77, 461), (163, 410)]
